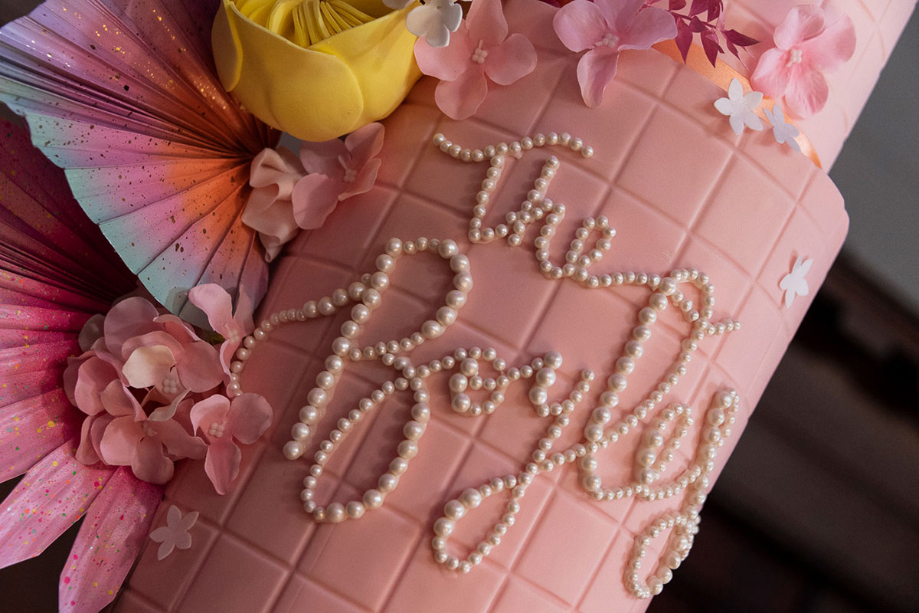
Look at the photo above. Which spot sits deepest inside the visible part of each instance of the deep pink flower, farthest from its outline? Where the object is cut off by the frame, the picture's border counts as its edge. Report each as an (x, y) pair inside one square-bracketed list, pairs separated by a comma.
[(807, 42), (479, 51), (231, 325), (245, 419), (604, 28)]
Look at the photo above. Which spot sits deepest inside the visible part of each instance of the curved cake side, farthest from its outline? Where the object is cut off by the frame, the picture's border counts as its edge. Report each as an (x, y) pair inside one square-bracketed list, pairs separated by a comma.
[(681, 191)]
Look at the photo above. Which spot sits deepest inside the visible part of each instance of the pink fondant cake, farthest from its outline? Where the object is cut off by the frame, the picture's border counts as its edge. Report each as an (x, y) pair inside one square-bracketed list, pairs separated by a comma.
[(503, 378), (689, 202)]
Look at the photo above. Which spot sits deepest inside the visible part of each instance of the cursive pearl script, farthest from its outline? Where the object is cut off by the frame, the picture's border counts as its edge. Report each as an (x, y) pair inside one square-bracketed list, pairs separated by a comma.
[(463, 369)]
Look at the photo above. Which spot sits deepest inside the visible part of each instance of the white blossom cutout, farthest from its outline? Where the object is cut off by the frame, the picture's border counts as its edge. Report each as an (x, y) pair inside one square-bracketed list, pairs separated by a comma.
[(175, 533), (740, 107), (794, 284), (783, 132), (434, 21)]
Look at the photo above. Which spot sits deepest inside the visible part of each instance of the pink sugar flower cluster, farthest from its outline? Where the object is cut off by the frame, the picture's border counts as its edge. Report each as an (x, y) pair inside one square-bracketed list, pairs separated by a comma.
[(150, 387)]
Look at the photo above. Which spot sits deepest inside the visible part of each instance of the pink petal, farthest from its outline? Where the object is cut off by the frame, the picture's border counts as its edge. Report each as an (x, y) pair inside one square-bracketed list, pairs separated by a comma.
[(200, 370), (92, 378), (168, 411), (120, 439), (322, 158), (807, 93), (179, 443), (222, 464), (215, 302), (158, 338), (511, 60), (92, 331), (364, 144), (119, 402), (244, 311), (249, 416), (97, 431), (579, 25), (486, 22), (619, 14), (461, 98), (650, 26), (835, 46), (314, 199), (177, 328), (149, 464), (130, 317), (365, 180), (109, 541), (47, 501), (801, 23), (148, 366), (274, 221), (772, 73), (85, 453), (596, 71), (446, 63), (278, 168), (206, 412)]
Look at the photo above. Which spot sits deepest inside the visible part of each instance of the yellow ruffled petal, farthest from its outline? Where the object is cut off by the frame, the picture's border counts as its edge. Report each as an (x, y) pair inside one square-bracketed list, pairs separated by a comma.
[(356, 75)]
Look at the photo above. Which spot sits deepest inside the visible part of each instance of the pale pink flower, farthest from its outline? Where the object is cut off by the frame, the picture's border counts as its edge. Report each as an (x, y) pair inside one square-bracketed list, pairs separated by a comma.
[(604, 28), (244, 419), (807, 42), (337, 171), (480, 51)]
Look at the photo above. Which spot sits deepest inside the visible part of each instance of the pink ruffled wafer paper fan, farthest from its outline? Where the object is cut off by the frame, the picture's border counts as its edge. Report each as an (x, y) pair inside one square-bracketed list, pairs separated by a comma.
[(124, 96), (111, 537), (56, 272)]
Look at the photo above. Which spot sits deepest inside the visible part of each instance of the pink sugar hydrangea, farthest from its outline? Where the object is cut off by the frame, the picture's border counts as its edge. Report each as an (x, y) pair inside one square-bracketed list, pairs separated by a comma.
[(479, 51), (604, 28), (809, 41)]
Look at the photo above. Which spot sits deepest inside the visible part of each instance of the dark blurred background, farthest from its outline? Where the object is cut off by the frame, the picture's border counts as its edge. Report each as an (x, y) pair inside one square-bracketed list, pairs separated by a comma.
[(818, 509)]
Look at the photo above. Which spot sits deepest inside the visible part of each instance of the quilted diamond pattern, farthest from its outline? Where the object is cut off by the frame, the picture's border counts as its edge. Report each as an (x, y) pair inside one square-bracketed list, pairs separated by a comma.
[(743, 209)]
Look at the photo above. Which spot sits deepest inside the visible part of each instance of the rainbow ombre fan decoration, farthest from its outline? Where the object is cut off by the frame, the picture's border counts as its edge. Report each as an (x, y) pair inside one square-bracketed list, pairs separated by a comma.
[(123, 95), (56, 272)]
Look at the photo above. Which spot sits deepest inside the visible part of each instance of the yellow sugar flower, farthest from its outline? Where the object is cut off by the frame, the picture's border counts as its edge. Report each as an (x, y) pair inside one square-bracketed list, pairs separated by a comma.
[(317, 69)]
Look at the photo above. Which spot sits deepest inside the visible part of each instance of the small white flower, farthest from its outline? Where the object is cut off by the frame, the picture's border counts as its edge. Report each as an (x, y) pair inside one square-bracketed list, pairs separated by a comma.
[(794, 284), (784, 132), (739, 107), (175, 532), (434, 21)]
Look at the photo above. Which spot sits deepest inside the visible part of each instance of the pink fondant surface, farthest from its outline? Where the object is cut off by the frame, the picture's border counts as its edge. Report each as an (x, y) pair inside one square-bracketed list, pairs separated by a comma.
[(681, 191)]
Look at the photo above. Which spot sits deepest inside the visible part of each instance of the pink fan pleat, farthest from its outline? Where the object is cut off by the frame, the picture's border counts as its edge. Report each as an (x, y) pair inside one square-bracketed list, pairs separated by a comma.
[(56, 271), (111, 537), (124, 96), (53, 495)]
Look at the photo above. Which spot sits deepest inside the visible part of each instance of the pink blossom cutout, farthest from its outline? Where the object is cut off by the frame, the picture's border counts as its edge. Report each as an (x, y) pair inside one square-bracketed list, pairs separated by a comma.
[(808, 42), (244, 419), (604, 28), (480, 51)]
